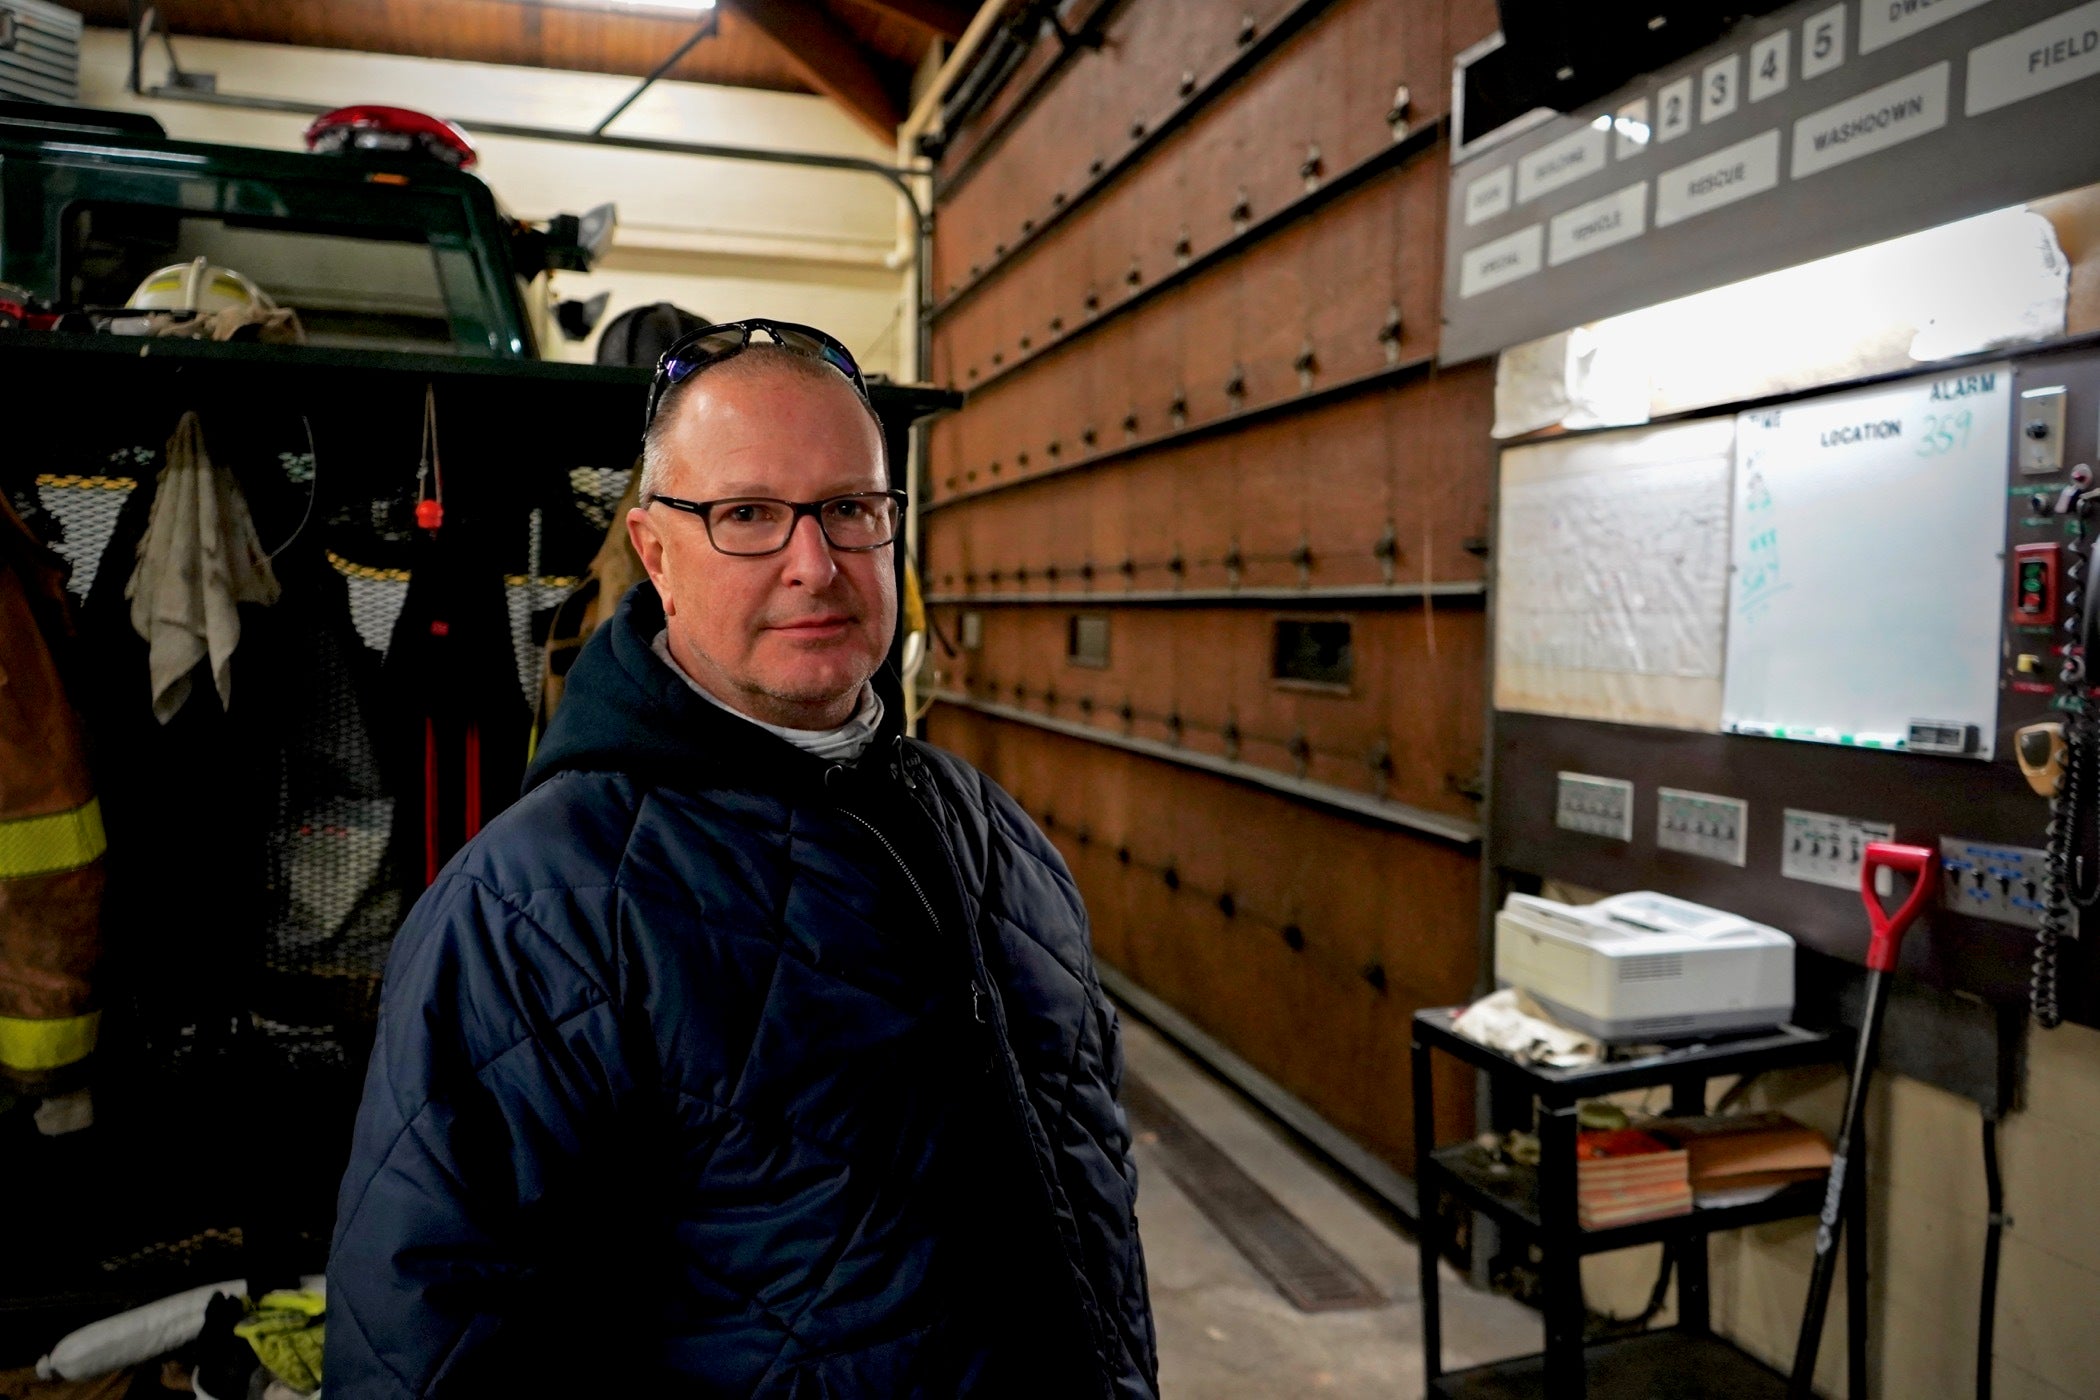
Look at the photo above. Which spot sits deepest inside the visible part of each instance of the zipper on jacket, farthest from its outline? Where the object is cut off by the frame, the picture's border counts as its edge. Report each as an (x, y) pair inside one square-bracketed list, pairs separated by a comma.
[(925, 902), (1093, 1319)]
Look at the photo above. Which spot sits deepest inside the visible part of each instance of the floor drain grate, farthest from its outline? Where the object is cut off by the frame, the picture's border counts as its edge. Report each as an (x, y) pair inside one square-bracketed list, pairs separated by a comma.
[(1302, 1266)]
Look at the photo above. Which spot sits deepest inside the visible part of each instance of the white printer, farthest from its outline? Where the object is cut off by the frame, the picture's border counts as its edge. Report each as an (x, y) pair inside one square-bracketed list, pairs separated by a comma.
[(1644, 966)]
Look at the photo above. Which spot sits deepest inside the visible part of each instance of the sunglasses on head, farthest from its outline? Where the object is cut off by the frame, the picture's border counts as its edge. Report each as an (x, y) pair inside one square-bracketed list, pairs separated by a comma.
[(710, 345)]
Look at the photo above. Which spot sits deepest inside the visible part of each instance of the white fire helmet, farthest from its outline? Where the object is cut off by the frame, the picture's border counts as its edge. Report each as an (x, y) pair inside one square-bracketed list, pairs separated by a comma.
[(200, 286)]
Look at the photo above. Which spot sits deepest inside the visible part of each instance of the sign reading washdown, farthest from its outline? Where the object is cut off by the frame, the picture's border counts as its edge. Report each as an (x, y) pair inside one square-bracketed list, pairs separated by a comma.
[(1885, 116), (1816, 129)]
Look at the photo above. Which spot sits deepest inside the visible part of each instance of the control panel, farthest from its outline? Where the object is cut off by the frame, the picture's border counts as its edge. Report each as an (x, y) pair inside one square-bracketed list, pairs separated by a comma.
[(1828, 850), (1989, 881), (1701, 824), (2046, 551), (1595, 806), (2035, 595)]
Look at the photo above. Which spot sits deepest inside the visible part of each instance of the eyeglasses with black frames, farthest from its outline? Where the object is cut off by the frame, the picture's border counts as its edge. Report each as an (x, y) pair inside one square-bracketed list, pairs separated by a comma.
[(751, 526)]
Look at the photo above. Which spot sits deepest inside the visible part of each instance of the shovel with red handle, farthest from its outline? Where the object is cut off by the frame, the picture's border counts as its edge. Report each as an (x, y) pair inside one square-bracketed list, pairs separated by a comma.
[(1887, 942)]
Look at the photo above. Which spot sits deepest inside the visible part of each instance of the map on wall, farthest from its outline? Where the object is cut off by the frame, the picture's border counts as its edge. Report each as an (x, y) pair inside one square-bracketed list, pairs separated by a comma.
[(1611, 581), (1867, 602)]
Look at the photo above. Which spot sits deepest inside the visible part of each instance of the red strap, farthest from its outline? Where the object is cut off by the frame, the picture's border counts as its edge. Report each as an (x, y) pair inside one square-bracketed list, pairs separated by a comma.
[(1889, 929)]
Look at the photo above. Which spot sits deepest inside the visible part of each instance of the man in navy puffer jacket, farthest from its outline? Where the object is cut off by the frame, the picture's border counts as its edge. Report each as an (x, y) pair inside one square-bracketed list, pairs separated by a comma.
[(757, 1050)]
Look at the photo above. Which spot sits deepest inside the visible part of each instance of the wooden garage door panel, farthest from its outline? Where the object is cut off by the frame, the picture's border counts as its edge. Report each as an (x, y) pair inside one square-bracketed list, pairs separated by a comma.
[(1208, 313), (1159, 201), (1434, 684), (966, 142), (1354, 243), (1067, 518), (1443, 471), (1320, 476), (1328, 89), (1110, 228), (1268, 132), (942, 451), (1154, 531), (1106, 540), (1414, 699), (1346, 484), (1131, 82), (1155, 369), (1421, 255), (1357, 897), (1374, 44), (1273, 277), (1268, 469), (1213, 171)]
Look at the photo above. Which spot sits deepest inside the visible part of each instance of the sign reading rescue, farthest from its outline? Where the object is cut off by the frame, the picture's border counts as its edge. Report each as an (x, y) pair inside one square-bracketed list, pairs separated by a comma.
[(1813, 130)]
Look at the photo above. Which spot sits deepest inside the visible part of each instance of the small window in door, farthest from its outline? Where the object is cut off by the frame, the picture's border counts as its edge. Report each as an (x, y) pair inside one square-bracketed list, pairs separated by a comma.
[(1313, 652), (1086, 640)]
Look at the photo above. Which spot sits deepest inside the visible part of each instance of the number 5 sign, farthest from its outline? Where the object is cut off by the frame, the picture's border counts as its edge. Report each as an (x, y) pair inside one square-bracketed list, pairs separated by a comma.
[(1823, 42)]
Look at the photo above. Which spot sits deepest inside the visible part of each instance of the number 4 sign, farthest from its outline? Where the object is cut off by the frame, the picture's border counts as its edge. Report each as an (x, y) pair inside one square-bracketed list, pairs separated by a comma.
[(1768, 58)]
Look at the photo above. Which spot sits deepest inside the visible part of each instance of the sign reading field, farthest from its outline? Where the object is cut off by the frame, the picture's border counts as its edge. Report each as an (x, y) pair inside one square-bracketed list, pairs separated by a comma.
[(1811, 131)]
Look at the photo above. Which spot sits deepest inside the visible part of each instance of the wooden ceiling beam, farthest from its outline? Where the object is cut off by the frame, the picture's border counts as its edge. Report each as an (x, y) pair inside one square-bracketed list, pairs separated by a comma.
[(939, 18), (824, 52)]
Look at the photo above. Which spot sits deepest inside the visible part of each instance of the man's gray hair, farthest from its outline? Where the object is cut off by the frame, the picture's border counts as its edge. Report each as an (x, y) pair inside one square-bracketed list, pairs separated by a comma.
[(753, 359)]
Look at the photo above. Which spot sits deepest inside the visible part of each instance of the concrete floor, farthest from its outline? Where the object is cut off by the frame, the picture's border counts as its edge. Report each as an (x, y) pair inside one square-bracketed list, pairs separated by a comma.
[(1224, 1331)]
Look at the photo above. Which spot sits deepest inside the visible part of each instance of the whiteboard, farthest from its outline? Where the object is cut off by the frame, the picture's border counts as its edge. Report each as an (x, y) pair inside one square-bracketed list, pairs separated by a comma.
[(1866, 556), (1611, 575)]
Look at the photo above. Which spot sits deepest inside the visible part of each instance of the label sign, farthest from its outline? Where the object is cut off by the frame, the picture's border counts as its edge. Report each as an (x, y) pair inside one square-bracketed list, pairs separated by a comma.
[(1819, 128), (1567, 160), (1602, 223), (1883, 22), (1732, 173), (1875, 120), (2040, 58), (1487, 197), (1497, 264)]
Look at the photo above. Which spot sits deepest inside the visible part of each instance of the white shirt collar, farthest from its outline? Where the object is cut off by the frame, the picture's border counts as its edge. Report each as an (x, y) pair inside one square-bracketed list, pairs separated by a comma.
[(842, 744)]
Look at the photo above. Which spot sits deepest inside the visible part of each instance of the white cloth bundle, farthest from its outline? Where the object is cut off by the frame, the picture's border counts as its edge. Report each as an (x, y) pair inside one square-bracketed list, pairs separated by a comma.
[(1510, 1021), (199, 560)]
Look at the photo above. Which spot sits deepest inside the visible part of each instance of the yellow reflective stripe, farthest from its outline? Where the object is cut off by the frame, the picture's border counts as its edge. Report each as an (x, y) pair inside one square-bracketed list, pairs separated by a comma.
[(36, 1045), (47, 845)]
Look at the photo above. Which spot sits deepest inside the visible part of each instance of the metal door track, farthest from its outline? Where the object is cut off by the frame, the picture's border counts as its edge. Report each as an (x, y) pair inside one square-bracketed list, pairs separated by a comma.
[(1301, 1265)]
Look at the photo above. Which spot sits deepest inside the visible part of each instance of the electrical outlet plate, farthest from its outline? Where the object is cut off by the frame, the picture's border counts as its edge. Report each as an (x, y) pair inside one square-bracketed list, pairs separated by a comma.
[(1827, 850), (1988, 881), (1701, 824), (1595, 806)]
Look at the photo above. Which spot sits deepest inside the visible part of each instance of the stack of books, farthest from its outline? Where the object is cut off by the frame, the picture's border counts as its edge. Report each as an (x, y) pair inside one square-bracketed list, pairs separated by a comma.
[(1739, 1158), (1625, 1175)]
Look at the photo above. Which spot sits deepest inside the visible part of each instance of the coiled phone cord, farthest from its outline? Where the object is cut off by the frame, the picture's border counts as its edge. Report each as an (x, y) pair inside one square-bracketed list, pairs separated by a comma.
[(2073, 856)]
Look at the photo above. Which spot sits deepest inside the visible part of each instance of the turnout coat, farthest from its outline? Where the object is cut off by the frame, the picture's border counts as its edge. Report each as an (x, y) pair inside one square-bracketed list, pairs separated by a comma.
[(712, 1068)]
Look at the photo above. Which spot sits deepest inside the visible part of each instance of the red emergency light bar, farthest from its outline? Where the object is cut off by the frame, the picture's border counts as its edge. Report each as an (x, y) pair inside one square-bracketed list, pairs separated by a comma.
[(395, 130)]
